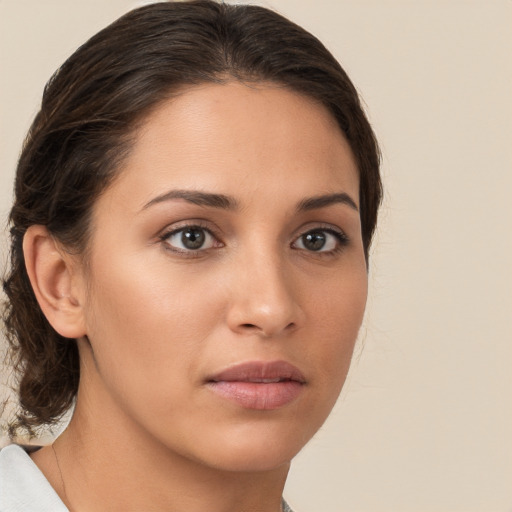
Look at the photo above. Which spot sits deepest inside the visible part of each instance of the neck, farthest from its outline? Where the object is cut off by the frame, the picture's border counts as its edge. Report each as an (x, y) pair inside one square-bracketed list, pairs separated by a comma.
[(130, 470)]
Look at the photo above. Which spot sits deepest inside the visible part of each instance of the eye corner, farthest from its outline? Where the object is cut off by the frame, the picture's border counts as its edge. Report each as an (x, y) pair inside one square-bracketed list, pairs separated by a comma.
[(321, 241), (189, 240)]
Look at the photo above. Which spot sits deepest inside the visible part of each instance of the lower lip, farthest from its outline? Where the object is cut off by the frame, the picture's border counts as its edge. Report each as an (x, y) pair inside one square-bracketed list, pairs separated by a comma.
[(260, 396)]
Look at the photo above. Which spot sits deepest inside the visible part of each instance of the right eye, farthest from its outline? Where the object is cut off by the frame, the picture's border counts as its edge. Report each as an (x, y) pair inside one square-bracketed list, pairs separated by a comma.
[(189, 239)]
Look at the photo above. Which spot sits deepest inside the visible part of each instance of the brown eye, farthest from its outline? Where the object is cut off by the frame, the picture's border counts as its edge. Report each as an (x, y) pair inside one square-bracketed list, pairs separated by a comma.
[(320, 240), (314, 241), (192, 238)]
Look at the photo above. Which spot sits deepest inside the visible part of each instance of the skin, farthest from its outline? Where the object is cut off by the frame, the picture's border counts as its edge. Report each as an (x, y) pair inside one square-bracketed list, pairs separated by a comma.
[(154, 320)]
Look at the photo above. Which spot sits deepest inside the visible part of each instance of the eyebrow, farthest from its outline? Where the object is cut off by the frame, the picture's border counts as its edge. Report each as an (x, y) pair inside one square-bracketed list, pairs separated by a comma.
[(229, 203), (312, 203), (196, 197)]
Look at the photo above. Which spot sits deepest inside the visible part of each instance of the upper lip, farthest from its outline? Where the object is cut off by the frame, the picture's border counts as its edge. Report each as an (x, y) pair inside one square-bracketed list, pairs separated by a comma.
[(259, 371)]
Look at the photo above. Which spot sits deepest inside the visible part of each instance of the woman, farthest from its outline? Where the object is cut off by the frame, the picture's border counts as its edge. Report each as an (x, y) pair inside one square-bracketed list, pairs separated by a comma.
[(194, 207)]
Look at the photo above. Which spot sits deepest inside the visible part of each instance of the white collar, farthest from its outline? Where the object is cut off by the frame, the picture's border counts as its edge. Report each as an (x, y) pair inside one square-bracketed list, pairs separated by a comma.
[(22, 485)]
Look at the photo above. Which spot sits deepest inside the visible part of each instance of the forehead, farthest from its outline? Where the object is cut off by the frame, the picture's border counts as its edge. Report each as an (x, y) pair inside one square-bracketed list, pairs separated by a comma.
[(242, 140)]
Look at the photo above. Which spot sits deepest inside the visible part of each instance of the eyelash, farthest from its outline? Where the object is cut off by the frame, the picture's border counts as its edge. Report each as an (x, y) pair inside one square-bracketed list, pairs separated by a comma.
[(188, 253), (341, 240)]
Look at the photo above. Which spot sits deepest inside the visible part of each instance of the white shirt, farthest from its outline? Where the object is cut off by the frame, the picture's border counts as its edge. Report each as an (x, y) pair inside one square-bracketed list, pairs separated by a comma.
[(23, 488)]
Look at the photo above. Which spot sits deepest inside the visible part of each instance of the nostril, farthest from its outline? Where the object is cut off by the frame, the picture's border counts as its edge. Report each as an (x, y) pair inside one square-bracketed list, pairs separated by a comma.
[(254, 327)]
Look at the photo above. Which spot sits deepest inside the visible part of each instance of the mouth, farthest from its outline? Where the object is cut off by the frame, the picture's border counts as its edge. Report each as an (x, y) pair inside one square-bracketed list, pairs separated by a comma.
[(259, 385)]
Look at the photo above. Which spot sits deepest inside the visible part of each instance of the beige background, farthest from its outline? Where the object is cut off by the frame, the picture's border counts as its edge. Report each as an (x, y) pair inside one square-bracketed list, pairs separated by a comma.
[(425, 421)]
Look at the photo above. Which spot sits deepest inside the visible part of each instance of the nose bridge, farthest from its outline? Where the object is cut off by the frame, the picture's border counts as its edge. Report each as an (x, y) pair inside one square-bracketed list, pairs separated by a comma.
[(264, 297)]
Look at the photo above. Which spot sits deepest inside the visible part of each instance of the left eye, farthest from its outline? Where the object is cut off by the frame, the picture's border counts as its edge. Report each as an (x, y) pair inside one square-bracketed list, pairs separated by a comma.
[(318, 240), (191, 238)]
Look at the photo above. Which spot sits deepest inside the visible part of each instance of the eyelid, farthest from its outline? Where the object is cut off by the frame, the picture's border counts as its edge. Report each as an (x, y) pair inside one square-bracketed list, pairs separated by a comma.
[(188, 223), (175, 228), (341, 236), (337, 232), (320, 226)]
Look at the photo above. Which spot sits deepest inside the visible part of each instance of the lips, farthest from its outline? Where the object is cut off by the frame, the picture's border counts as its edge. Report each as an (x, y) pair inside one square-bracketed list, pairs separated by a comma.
[(259, 385)]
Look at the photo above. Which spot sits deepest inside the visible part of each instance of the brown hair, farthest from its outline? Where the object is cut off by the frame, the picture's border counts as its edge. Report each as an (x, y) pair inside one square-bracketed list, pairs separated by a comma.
[(79, 138)]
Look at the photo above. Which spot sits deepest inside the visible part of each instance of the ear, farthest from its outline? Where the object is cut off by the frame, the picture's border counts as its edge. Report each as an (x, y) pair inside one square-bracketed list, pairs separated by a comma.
[(57, 285)]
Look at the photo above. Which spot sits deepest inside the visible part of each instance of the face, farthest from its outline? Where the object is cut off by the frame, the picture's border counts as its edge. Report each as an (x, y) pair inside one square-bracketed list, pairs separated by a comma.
[(226, 279)]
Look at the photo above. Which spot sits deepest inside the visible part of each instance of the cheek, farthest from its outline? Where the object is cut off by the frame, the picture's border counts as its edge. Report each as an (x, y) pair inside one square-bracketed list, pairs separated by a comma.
[(147, 329), (144, 321), (337, 314)]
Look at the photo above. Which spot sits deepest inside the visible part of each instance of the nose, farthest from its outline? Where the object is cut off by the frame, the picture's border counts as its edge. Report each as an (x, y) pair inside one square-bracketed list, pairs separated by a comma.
[(264, 300)]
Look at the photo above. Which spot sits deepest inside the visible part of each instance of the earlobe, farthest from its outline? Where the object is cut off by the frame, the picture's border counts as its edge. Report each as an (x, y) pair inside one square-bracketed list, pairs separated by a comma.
[(53, 280)]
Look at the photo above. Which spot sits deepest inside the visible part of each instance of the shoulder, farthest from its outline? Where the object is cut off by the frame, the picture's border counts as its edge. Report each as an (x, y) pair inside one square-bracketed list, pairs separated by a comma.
[(22, 485), (286, 507)]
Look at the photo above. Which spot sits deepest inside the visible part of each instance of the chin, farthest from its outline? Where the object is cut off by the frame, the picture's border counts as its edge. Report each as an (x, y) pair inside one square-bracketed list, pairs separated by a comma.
[(253, 459), (254, 448)]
